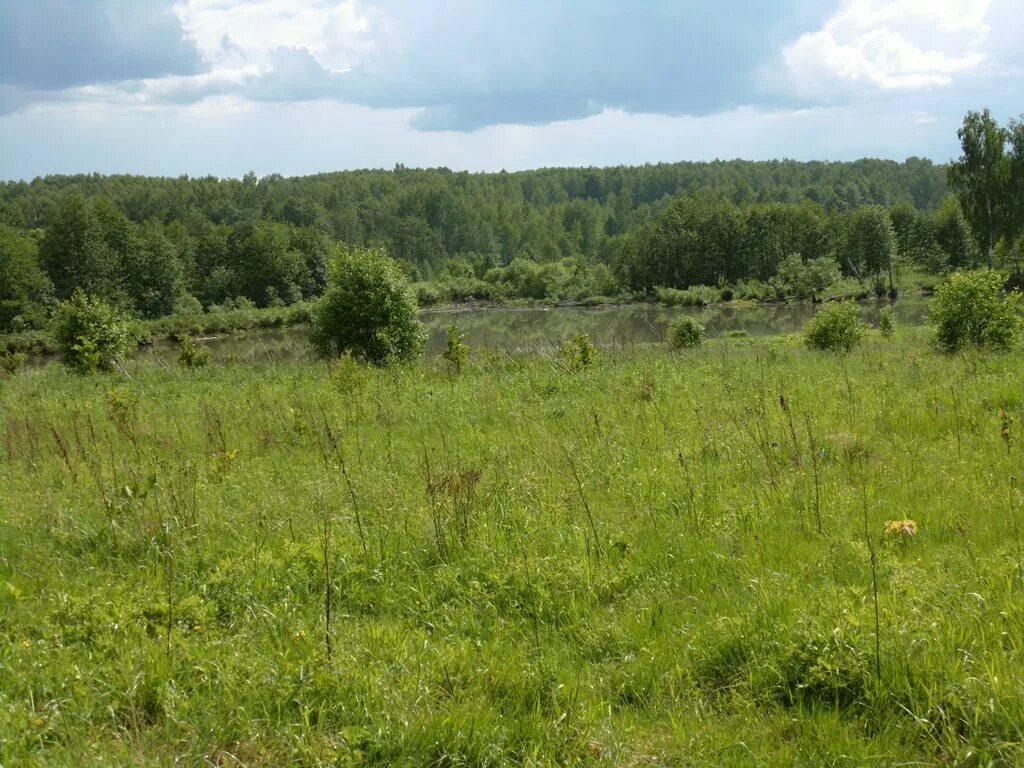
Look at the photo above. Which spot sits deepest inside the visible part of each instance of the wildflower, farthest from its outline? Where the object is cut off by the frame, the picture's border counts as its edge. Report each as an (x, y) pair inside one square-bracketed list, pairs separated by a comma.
[(904, 528)]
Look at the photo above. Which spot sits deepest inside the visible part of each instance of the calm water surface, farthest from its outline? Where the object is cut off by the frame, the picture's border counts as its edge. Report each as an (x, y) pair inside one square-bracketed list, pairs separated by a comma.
[(546, 327)]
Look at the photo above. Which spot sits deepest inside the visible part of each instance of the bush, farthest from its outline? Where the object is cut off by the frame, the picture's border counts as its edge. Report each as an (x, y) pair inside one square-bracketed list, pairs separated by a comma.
[(685, 333), (456, 350), (90, 334), (694, 296), (368, 310), (835, 328), (970, 308), (887, 322), (755, 290), (579, 352), (11, 362), (193, 355)]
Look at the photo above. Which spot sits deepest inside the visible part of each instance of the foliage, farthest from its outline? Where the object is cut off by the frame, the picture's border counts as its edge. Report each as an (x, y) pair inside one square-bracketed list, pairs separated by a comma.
[(970, 308), (806, 279), (24, 287), (871, 247), (579, 352), (90, 334), (368, 310), (835, 328), (694, 296), (193, 355), (981, 177), (456, 350), (685, 333), (887, 321)]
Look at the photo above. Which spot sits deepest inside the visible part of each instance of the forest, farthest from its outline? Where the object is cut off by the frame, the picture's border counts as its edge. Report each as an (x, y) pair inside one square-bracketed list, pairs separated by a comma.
[(161, 246)]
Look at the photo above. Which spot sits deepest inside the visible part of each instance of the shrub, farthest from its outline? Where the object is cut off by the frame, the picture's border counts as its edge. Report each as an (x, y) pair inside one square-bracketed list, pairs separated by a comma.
[(694, 296), (685, 333), (90, 334), (456, 350), (193, 355), (887, 322), (835, 328), (11, 362), (970, 308), (368, 309), (755, 290), (579, 352)]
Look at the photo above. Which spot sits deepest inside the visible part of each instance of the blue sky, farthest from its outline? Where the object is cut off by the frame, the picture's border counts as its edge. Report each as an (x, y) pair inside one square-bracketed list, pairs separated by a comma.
[(301, 86)]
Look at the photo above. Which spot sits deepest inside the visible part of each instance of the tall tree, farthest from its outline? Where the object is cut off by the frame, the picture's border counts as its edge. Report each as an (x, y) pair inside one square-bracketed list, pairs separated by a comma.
[(75, 253), (23, 286), (981, 177), (1015, 209)]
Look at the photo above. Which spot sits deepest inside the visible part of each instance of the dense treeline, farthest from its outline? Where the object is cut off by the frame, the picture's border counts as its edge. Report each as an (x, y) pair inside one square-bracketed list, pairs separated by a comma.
[(159, 246)]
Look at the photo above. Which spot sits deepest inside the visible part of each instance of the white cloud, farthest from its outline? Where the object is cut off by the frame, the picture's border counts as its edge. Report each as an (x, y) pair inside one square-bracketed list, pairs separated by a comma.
[(230, 33), (872, 45)]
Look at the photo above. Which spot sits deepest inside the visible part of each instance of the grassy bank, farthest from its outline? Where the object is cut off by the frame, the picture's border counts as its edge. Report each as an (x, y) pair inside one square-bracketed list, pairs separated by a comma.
[(660, 559)]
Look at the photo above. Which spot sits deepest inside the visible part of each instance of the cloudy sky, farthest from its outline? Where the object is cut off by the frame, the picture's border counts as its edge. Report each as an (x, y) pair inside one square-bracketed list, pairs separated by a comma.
[(301, 86)]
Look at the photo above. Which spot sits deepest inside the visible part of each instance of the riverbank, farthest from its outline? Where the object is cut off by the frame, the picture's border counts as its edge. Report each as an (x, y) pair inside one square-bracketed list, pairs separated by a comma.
[(242, 321)]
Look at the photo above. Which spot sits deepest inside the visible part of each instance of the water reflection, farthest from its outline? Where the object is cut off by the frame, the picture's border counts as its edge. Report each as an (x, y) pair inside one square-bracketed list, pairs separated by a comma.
[(546, 327)]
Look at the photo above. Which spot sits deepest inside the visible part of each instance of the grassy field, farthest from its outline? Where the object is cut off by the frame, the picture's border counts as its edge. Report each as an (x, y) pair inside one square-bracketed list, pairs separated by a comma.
[(660, 559)]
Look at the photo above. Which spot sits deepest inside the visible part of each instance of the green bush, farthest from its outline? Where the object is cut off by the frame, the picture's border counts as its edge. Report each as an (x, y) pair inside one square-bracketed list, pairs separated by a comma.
[(456, 350), (694, 296), (368, 310), (90, 334), (579, 352), (835, 328), (887, 322), (685, 333), (971, 308), (193, 355)]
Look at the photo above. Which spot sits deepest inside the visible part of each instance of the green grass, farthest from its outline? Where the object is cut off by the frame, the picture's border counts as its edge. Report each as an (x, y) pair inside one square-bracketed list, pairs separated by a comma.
[(623, 564)]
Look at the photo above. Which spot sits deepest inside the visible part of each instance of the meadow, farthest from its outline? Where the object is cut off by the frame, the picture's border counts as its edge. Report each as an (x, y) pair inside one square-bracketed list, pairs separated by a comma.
[(655, 558)]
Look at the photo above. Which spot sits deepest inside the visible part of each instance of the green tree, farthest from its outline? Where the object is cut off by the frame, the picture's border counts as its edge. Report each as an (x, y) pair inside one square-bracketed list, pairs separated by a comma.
[(1015, 209), (151, 273), (871, 246), (24, 288), (91, 334), (971, 308), (806, 279), (981, 177), (953, 235), (368, 310), (74, 251), (835, 328)]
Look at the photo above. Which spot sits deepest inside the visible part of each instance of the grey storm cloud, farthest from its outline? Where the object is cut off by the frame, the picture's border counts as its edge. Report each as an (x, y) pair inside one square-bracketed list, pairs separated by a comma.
[(50, 45), (468, 65), (465, 64)]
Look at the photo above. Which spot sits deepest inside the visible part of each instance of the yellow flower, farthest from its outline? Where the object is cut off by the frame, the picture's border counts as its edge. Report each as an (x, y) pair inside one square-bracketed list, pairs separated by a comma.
[(905, 528)]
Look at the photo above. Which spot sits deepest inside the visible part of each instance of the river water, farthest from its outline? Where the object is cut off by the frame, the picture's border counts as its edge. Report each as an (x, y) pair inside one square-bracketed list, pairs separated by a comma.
[(544, 328)]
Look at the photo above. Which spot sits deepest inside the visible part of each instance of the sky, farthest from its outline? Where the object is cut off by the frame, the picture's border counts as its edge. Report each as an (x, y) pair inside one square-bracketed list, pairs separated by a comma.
[(223, 87)]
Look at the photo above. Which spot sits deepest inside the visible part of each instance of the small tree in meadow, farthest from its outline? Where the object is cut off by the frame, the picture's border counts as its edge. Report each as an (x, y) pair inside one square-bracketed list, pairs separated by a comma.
[(887, 322), (685, 333), (368, 310), (971, 308), (456, 350), (835, 328), (91, 334), (579, 352)]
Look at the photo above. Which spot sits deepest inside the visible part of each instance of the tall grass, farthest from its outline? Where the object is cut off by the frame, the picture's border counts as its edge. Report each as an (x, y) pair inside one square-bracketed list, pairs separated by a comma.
[(653, 559)]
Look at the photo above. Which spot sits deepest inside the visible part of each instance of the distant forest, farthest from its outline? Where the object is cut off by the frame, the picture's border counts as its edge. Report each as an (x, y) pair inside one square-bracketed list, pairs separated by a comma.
[(160, 246)]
